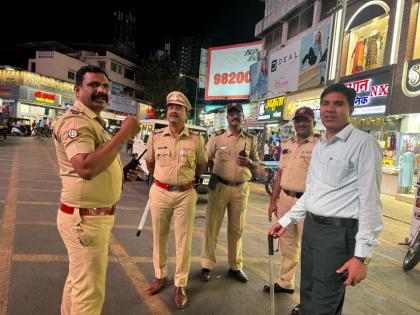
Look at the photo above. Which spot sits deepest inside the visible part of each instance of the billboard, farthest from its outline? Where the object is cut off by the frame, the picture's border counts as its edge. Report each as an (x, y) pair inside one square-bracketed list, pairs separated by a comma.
[(228, 70), (313, 57), (283, 74)]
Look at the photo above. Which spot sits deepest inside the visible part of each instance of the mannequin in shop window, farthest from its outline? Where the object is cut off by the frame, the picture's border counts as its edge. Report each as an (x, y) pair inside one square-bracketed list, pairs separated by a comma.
[(358, 55), (405, 176), (372, 47)]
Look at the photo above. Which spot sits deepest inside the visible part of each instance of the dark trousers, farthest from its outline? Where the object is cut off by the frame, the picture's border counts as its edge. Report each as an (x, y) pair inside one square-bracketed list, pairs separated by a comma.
[(325, 248)]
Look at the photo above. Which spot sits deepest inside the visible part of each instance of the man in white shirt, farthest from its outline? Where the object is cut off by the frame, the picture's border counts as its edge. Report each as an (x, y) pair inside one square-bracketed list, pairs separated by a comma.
[(341, 206)]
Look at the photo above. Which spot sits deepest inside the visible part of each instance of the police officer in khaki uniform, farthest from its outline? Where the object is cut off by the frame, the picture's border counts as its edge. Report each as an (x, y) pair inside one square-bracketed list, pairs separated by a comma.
[(175, 156), (233, 170), (289, 186), (91, 175)]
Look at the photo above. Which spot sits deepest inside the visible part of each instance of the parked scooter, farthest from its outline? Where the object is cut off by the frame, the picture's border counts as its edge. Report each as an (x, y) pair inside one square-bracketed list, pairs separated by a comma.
[(412, 256)]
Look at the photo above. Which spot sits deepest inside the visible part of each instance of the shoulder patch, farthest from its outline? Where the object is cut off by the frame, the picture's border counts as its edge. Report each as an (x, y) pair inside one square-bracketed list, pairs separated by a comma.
[(158, 131), (219, 132), (72, 133)]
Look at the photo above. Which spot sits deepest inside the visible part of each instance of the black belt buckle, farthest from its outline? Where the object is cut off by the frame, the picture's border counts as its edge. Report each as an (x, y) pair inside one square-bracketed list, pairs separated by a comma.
[(174, 187)]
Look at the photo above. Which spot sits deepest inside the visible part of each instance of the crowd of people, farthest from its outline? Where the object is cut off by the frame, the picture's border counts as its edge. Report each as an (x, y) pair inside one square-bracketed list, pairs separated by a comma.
[(325, 198)]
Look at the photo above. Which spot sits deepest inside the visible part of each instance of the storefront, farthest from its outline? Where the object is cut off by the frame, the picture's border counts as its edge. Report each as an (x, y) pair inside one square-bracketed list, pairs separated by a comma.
[(308, 98)]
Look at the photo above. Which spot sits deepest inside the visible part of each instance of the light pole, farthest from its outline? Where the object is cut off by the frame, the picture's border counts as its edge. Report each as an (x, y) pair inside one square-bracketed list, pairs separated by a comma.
[(196, 93)]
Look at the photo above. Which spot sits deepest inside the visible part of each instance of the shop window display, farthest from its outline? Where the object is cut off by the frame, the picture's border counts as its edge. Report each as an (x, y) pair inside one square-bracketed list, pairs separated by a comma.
[(367, 45)]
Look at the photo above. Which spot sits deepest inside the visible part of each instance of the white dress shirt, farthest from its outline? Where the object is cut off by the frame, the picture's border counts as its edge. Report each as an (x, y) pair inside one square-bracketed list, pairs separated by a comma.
[(344, 181)]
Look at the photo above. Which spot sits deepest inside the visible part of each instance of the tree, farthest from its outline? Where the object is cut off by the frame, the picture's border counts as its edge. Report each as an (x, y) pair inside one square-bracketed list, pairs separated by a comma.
[(158, 78)]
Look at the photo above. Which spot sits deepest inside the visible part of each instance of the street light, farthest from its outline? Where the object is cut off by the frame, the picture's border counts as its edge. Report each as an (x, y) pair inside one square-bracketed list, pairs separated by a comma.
[(196, 93)]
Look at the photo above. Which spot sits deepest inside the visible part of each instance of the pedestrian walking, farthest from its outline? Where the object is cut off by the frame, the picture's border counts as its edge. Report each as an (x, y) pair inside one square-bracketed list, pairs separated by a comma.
[(341, 206), (175, 157), (91, 175), (288, 188), (232, 154)]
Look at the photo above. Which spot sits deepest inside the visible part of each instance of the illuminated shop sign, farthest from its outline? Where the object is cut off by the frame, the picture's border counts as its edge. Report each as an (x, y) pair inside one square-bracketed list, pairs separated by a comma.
[(373, 89), (271, 108), (412, 80), (44, 97)]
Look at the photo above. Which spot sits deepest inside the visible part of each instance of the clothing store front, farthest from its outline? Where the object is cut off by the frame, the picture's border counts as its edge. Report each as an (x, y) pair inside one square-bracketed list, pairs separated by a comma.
[(365, 39)]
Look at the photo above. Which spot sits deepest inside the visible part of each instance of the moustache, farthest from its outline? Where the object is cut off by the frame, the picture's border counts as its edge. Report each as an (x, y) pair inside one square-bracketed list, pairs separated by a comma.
[(174, 115), (95, 96)]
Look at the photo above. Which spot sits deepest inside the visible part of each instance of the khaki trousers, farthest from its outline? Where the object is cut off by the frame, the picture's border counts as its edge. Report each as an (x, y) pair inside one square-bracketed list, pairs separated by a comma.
[(289, 244), (181, 205), (86, 239), (235, 199)]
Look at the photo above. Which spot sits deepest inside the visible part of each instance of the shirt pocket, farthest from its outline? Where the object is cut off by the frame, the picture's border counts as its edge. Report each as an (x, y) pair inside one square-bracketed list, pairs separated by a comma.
[(336, 171), (163, 156), (305, 160), (222, 153), (187, 157)]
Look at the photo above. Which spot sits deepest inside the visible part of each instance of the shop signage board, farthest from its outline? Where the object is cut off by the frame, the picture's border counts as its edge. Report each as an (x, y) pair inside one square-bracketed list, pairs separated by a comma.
[(412, 80), (228, 70), (373, 90), (43, 97), (271, 108), (308, 98)]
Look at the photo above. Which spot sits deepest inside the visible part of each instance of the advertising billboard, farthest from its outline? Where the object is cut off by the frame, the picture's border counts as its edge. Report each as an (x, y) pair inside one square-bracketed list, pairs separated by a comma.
[(283, 74), (313, 57), (228, 70)]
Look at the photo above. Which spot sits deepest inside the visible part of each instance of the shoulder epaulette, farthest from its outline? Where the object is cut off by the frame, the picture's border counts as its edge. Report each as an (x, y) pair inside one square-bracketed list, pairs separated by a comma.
[(246, 133), (74, 111), (194, 132), (219, 132), (158, 130)]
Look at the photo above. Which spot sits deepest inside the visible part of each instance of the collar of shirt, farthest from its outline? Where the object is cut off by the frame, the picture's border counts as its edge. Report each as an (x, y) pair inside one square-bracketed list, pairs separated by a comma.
[(185, 131), (90, 113), (343, 134), (230, 133)]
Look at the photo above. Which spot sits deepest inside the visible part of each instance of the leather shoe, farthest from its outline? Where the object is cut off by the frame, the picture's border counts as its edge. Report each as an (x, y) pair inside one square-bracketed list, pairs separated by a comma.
[(180, 297), (296, 310), (278, 289), (156, 286), (205, 274), (239, 275)]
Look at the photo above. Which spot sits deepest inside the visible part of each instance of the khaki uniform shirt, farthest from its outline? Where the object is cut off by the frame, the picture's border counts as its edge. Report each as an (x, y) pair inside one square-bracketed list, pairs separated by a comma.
[(294, 162), (175, 158), (80, 130), (223, 149)]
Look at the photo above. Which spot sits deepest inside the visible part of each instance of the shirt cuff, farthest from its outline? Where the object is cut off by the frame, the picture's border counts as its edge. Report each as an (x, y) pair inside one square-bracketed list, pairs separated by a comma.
[(363, 250), (285, 222)]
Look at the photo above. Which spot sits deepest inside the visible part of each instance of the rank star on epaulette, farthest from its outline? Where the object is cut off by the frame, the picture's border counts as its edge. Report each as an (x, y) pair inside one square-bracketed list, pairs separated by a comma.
[(74, 111)]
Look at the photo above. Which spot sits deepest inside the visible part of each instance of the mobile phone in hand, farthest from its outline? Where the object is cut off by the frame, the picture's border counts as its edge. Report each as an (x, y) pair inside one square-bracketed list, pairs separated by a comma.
[(344, 275)]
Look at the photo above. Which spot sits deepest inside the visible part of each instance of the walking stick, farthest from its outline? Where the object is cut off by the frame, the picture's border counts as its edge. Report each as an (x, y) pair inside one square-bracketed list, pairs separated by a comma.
[(270, 262), (143, 218)]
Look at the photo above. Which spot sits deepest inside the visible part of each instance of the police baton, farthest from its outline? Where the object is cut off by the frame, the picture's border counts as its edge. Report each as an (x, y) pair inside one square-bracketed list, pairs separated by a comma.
[(143, 218), (270, 262)]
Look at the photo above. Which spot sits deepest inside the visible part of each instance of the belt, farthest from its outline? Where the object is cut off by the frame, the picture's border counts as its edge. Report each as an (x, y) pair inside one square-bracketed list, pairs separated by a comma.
[(343, 222), (293, 193), (89, 211), (229, 183), (174, 187)]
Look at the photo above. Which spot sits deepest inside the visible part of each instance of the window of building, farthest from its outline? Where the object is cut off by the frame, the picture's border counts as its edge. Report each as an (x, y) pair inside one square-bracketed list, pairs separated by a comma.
[(113, 67), (71, 75), (101, 64), (326, 7), (129, 74), (300, 21), (120, 69), (367, 45), (273, 39)]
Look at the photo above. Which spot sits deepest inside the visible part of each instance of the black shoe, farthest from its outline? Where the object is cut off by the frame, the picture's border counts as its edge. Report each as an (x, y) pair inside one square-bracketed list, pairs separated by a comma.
[(239, 275), (205, 274), (278, 289), (296, 310)]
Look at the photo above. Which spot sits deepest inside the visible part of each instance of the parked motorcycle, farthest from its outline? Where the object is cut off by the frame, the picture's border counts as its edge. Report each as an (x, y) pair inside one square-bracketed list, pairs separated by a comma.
[(16, 131), (412, 256), (270, 178)]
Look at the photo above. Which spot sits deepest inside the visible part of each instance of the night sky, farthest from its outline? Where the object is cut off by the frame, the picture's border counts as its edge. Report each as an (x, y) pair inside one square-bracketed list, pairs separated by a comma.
[(226, 22)]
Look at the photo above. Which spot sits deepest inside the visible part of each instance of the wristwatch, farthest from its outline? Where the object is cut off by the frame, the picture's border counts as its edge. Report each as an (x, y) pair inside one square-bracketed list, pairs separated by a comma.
[(363, 260)]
